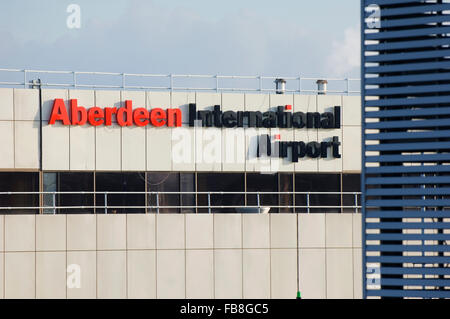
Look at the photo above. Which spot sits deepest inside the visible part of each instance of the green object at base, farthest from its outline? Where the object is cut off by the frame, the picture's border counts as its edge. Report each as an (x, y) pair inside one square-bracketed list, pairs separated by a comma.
[(299, 295)]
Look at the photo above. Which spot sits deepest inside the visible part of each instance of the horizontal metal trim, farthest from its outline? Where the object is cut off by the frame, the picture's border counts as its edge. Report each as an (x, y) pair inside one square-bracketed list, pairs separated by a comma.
[(427, 111), (411, 225), (408, 259), (414, 271), (409, 146), (390, 2), (407, 135), (408, 293), (409, 124), (402, 248), (408, 101), (407, 237), (407, 202), (407, 67), (389, 12), (415, 282), (408, 191), (410, 89), (407, 56), (406, 213), (408, 180), (406, 33), (408, 158), (392, 23)]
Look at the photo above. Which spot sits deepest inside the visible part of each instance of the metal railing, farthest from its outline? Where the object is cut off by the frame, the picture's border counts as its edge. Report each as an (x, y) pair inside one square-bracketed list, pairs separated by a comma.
[(171, 82), (154, 205)]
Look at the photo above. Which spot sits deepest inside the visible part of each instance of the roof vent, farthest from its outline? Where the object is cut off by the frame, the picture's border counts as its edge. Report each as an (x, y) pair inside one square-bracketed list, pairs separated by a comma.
[(322, 86), (280, 86)]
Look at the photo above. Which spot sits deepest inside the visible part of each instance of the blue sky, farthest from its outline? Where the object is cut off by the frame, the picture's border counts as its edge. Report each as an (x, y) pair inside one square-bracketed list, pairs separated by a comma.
[(246, 37)]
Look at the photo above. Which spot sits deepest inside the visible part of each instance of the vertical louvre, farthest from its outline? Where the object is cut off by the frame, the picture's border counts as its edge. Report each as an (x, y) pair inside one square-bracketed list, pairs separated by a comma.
[(406, 149)]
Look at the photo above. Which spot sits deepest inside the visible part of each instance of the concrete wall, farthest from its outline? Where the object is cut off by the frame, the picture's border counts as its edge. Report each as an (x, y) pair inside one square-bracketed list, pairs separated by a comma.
[(133, 148), (181, 256)]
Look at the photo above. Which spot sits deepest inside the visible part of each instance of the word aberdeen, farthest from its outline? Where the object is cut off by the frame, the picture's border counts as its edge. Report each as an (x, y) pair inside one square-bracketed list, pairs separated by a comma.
[(125, 116)]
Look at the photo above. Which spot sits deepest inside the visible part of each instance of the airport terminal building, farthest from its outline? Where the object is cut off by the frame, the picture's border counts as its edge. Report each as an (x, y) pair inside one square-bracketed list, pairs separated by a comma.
[(120, 193)]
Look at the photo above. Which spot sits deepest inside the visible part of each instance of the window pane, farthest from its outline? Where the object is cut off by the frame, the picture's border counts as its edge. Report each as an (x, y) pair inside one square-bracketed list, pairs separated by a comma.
[(76, 182), (220, 182), (318, 183), (187, 184), (163, 182), (257, 182), (19, 182), (120, 182), (285, 185), (351, 183)]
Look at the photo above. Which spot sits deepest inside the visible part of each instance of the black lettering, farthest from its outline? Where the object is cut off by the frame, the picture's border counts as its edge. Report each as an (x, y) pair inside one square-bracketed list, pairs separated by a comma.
[(313, 149), (229, 119)]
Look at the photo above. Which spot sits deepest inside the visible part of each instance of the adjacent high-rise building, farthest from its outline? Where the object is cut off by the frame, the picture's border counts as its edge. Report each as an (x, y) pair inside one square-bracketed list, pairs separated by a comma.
[(405, 71)]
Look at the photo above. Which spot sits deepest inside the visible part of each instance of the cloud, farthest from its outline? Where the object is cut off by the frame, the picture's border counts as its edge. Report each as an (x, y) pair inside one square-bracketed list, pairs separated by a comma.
[(344, 59), (151, 38)]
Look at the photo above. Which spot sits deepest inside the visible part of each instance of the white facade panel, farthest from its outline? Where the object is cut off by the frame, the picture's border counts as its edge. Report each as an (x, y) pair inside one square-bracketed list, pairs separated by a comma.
[(306, 164), (6, 104), (256, 230), (86, 261), (208, 149), (233, 102), (257, 102), (20, 275), (199, 274), (183, 149), (170, 271), (330, 164), (20, 232), (55, 147), (228, 273), (351, 149), (141, 231), (158, 100), (233, 150), (7, 142), (182, 100), (199, 231), (108, 99), (26, 105), (134, 148), (82, 148), (351, 110), (26, 144), (108, 148), (159, 149), (256, 273), (51, 232), (305, 103), (141, 272), (325, 103), (339, 273), (283, 268), (51, 275), (48, 98), (312, 273), (111, 274)]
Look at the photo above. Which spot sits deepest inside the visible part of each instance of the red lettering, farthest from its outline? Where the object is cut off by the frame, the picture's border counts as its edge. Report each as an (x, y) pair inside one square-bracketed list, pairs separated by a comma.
[(96, 116), (77, 110), (158, 117), (129, 112), (125, 116), (109, 111), (140, 116), (173, 117), (59, 112)]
